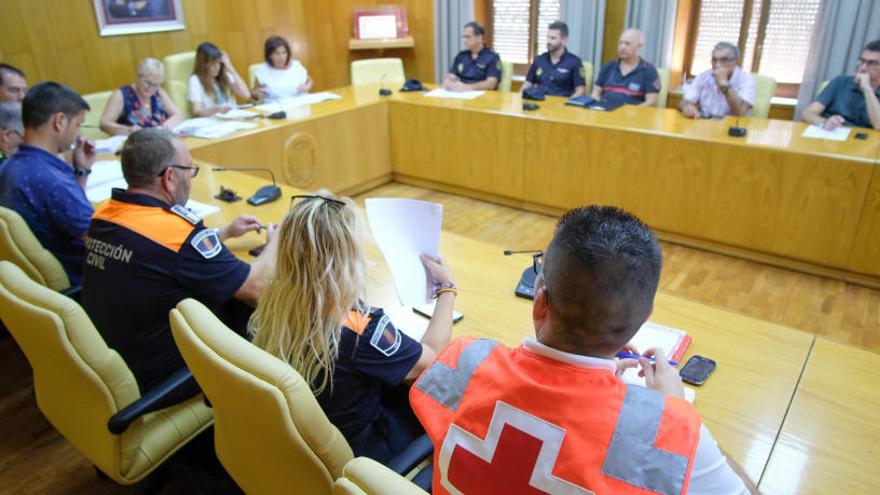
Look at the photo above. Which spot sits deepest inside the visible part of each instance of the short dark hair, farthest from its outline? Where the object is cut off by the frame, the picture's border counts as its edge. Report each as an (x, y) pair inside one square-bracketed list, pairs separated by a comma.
[(145, 154), (272, 44), (559, 26), (601, 271), (47, 98), (9, 68), (476, 27), (873, 46)]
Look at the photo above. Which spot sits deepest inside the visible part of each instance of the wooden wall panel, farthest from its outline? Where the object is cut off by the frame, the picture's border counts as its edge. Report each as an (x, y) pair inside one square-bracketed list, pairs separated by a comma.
[(50, 39), (615, 15)]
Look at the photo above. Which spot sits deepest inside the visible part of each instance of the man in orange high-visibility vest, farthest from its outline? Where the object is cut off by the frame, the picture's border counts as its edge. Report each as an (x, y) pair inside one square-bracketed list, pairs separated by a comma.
[(552, 415)]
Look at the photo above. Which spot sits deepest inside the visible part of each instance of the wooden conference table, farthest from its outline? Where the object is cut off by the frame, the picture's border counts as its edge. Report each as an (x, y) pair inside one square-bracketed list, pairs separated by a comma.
[(772, 196), (745, 403)]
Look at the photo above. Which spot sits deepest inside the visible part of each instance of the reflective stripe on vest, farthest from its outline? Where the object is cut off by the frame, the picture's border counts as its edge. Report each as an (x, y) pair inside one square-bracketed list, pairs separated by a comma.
[(634, 438), (447, 385)]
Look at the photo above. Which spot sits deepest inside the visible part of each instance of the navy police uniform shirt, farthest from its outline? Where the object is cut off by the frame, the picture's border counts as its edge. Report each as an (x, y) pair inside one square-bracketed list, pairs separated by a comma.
[(142, 258), (557, 79), (470, 70), (631, 88), (373, 355), (42, 188), (842, 96)]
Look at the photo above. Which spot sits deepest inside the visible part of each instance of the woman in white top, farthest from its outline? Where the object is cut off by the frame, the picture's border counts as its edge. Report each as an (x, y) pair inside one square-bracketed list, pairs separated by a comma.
[(280, 77), (214, 83)]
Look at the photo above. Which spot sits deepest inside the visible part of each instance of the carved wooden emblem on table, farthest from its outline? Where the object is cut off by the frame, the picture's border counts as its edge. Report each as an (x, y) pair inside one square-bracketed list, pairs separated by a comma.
[(299, 161)]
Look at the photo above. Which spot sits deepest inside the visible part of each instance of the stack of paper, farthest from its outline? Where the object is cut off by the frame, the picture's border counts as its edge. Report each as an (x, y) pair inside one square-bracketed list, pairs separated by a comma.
[(211, 128), (819, 132), (237, 113), (104, 177), (404, 229), (457, 95), (297, 101), (110, 145)]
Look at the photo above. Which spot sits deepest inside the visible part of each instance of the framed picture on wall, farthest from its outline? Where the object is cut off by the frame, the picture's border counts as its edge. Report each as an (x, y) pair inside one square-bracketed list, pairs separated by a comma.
[(117, 17)]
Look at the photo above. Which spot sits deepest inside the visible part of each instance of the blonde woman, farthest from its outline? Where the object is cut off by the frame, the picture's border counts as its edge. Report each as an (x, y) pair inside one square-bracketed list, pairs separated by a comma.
[(311, 315), (214, 84), (142, 104)]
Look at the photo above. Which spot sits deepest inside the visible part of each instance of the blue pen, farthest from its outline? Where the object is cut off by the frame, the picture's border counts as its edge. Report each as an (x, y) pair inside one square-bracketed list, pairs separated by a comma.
[(628, 355)]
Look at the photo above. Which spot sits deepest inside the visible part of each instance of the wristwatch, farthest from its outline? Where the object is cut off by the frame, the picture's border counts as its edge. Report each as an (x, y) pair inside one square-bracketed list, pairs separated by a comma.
[(724, 88), (80, 172)]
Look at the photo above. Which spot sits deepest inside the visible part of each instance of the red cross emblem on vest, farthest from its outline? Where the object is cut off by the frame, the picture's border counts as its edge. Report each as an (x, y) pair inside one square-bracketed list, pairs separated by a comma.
[(516, 457)]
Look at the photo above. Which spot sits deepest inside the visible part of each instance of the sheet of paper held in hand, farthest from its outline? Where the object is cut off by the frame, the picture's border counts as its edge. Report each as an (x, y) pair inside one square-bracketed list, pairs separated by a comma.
[(404, 229)]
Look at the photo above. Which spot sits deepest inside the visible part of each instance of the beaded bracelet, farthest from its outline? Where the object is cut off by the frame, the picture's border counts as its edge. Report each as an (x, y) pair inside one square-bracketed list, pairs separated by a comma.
[(445, 289)]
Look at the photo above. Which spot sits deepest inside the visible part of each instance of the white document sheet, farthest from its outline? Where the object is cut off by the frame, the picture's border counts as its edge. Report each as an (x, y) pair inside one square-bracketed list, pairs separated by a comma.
[(297, 101), (405, 320), (211, 128), (105, 175), (818, 132), (201, 210), (237, 113), (109, 145), (405, 229), (456, 95)]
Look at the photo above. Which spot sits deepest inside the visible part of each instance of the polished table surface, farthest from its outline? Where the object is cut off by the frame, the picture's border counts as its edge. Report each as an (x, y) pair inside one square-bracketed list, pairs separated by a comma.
[(744, 402)]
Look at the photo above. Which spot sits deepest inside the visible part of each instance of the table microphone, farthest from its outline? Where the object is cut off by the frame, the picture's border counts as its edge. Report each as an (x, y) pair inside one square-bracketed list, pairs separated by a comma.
[(265, 194), (525, 288), (383, 91), (736, 130)]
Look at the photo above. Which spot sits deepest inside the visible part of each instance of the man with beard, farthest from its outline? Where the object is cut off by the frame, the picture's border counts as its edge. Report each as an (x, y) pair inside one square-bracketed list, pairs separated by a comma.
[(145, 253), (557, 72)]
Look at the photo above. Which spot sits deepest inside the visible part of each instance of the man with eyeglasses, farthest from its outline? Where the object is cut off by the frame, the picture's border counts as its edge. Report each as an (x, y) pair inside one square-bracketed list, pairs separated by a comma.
[(11, 129), (553, 415), (725, 89), (46, 191), (146, 252), (850, 100)]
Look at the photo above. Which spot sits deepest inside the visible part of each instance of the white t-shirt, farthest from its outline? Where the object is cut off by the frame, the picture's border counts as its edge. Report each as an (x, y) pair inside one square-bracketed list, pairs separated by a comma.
[(282, 83), (711, 474), (196, 94)]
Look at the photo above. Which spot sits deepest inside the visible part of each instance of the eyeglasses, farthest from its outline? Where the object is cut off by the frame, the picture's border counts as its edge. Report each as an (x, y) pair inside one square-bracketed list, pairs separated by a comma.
[(723, 60), (315, 196), (869, 63), (194, 169), (538, 267)]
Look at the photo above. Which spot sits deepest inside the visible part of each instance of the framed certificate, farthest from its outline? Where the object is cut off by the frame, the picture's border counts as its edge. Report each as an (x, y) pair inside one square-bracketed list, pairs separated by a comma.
[(379, 22)]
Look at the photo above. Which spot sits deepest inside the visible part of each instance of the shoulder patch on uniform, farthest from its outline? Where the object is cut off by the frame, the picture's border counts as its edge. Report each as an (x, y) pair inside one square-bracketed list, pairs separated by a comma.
[(539, 71), (460, 67), (186, 214), (207, 243), (386, 337)]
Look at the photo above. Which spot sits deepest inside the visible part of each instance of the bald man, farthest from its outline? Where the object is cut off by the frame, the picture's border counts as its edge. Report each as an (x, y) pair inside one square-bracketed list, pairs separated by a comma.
[(629, 79)]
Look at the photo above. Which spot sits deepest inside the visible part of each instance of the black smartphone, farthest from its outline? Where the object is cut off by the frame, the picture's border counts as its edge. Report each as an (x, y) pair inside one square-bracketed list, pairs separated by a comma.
[(257, 250), (697, 370), (861, 135)]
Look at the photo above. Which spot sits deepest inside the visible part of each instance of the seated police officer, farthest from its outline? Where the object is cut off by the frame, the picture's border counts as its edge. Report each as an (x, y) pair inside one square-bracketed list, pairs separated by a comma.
[(552, 415), (850, 100), (629, 79), (476, 67), (146, 252), (557, 72)]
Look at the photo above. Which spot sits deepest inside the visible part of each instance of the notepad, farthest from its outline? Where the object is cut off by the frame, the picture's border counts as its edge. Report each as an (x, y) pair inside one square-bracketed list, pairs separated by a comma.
[(673, 341), (819, 132)]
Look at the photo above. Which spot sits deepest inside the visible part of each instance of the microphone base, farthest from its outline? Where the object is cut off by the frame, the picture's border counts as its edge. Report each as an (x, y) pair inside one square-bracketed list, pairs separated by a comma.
[(736, 131), (265, 194), (384, 92), (227, 195)]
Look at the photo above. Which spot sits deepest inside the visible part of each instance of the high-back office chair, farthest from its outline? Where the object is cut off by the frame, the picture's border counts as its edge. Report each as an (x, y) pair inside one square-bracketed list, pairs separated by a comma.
[(252, 74), (19, 245), (588, 78), (364, 476), (822, 86), (86, 390), (269, 433), (91, 125), (664, 87), (765, 86), (506, 75), (178, 68), (372, 70)]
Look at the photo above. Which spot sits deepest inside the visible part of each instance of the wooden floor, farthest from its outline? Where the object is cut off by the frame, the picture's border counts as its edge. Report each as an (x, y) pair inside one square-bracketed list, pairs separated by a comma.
[(35, 459)]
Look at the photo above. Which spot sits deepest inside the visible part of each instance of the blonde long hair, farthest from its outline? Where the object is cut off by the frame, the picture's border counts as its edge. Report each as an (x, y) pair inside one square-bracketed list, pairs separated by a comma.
[(319, 277)]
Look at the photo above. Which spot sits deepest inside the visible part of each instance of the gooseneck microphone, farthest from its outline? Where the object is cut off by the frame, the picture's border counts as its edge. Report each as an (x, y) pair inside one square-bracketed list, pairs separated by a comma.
[(265, 194), (508, 252), (383, 91), (525, 288), (736, 130)]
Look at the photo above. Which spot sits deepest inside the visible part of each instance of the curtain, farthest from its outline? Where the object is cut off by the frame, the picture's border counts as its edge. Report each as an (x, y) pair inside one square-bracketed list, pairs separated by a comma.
[(450, 16), (656, 20), (586, 26), (842, 29)]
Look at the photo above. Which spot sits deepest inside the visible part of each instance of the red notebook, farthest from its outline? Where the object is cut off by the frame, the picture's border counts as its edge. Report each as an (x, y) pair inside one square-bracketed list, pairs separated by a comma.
[(673, 341)]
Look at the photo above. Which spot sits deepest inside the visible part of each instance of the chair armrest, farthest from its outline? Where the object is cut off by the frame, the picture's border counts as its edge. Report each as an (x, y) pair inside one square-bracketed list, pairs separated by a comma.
[(373, 478), (412, 455), (163, 395), (73, 292)]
